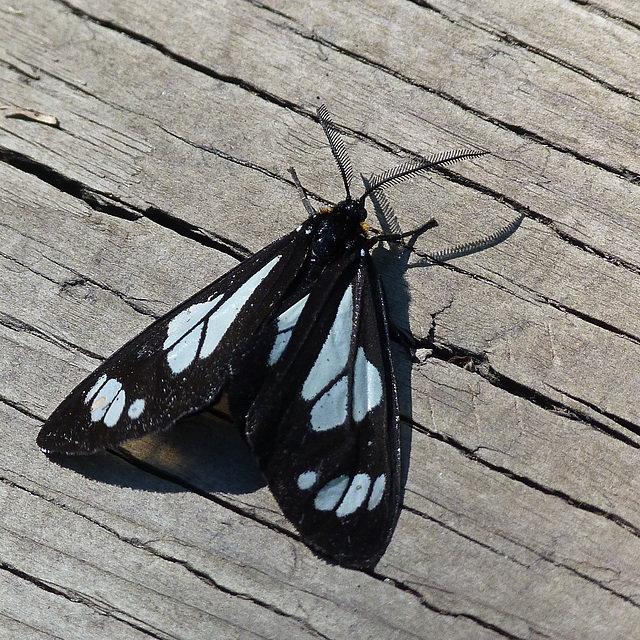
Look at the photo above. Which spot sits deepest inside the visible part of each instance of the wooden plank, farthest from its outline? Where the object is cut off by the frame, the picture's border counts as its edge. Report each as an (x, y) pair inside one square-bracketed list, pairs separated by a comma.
[(48, 608), (170, 163)]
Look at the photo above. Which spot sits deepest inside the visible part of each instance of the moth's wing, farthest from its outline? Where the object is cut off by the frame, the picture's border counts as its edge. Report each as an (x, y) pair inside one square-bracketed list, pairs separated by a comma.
[(324, 422), (180, 363)]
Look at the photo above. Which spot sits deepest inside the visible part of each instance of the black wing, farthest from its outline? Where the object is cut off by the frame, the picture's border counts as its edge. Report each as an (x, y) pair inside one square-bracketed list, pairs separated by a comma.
[(181, 363), (323, 422)]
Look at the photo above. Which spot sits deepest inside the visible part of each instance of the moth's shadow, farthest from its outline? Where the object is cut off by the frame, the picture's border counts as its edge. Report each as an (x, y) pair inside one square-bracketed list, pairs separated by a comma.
[(202, 453), (392, 266), (392, 263)]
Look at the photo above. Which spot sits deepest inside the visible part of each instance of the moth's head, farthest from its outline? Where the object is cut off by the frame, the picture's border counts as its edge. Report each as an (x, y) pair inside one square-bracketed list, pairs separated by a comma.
[(339, 226), (352, 209)]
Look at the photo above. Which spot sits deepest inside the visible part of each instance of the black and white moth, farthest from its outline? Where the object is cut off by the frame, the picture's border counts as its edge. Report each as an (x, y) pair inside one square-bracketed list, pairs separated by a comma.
[(297, 338)]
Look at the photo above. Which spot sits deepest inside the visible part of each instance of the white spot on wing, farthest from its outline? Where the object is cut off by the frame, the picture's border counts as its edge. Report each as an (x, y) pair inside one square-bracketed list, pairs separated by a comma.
[(377, 492), (331, 409), (355, 496), (279, 345), (286, 321), (106, 396), (115, 410), (367, 386), (92, 392), (187, 319), (136, 408), (221, 320), (307, 479), (183, 334), (329, 496), (184, 352), (334, 354)]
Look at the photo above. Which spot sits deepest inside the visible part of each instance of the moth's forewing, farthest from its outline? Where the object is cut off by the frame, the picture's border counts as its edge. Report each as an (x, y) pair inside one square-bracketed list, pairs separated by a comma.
[(179, 364), (323, 422)]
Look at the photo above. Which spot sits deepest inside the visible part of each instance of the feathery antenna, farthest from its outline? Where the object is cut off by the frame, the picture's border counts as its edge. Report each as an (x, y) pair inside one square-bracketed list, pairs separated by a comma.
[(337, 148), (407, 169)]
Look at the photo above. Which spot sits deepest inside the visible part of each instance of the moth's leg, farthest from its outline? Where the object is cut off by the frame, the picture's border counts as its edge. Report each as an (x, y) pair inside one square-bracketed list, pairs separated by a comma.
[(303, 196)]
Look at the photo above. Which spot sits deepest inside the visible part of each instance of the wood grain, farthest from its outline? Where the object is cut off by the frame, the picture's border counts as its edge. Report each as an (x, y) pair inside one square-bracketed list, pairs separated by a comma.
[(176, 129)]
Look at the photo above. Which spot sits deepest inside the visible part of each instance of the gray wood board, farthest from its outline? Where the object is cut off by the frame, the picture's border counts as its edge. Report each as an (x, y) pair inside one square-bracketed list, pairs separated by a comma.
[(521, 516)]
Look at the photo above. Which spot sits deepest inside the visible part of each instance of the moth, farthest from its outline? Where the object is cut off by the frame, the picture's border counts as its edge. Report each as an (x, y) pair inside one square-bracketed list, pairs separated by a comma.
[(296, 337)]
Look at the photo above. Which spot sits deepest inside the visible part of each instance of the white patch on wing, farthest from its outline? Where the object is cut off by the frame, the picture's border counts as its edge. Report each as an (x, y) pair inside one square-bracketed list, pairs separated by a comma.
[(329, 496), (307, 479), (367, 386), (377, 492), (92, 392), (187, 320), (109, 400), (286, 321), (331, 409), (104, 397), (279, 345), (136, 408), (184, 352), (115, 410), (221, 320), (355, 496), (334, 354), (183, 334)]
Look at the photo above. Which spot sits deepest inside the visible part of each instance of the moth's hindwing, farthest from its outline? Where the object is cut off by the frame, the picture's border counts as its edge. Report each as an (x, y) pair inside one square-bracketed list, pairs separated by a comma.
[(323, 420), (180, 363)]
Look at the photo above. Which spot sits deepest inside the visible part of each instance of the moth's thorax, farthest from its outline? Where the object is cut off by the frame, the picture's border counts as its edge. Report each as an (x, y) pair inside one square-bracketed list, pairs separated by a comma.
[(338, 229)]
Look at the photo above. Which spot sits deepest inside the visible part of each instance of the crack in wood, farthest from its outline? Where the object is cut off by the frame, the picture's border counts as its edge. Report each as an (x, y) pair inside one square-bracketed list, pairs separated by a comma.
[(471, 454)]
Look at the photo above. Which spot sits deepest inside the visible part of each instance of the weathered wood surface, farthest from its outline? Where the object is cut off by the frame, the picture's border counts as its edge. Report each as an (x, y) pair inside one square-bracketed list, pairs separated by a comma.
[(178, 121)]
